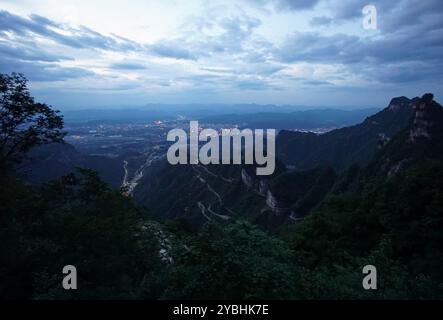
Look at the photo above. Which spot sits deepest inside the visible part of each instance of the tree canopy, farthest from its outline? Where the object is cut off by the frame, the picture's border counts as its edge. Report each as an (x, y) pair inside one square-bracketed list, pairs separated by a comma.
[(24, 123)]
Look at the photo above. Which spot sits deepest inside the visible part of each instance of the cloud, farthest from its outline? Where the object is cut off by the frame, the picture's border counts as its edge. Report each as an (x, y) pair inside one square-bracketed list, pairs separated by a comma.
[(392, 59), (39, 71), (127, 66), (295, 5), (81, 37), (320, 21), (252, 84), (214, 35), (348, 49), (171, 49), (393, 16), (406, 49), (281, 5), (28, 52), (237, 49), (316, 83), (314, 47), (405, 72)]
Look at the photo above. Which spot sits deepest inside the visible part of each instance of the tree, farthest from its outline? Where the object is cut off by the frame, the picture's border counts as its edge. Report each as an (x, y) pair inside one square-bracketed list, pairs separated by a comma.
[(233, 261), (23, 122), (75, 220)]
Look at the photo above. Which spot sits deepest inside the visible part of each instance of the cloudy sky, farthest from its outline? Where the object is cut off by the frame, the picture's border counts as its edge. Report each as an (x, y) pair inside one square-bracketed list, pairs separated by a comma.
[(82, 53)]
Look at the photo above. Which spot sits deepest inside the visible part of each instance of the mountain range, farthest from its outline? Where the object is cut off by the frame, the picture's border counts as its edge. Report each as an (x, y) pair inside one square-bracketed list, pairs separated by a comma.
[(193, 231), (312, 166), (309, 168)]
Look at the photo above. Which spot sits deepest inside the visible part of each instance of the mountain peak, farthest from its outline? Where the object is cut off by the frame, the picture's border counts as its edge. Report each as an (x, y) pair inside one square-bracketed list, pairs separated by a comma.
[(427, 97), (427, 117), (399, 102)]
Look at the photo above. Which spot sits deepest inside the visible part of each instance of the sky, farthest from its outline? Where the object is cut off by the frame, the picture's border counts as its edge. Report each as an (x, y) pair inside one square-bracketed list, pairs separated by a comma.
[(85, 53)]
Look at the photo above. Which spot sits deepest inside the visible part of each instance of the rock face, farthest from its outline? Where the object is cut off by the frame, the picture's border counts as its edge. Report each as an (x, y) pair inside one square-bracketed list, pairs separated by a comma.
[(247, 178), (422, 140), (261, 186), (400, 102), (426, 110)]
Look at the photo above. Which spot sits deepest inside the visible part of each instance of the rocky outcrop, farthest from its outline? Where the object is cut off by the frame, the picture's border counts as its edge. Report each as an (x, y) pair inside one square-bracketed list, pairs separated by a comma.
[(422, 140), (261, 186), (247, 178), (424, 118), (397, 103), (382, 140)]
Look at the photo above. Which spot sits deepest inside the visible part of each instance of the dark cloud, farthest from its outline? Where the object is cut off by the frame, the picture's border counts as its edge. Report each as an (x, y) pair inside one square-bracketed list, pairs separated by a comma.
[(407, 48), (392, 15), (21, 53), (39, 71), (392, 59), (81, 37), (28, 52), (346, 49), (413, 14)]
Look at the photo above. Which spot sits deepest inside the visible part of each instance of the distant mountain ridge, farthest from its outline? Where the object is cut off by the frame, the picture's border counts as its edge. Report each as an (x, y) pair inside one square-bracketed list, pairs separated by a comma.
[(343, 147), (303, 120), (263, 116)]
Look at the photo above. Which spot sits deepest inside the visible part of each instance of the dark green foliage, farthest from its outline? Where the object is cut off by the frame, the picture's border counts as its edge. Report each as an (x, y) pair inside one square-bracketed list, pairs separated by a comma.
[(236, 261), (303, 190), (396, 224), (50, 161), (76, 220), (23, 122)]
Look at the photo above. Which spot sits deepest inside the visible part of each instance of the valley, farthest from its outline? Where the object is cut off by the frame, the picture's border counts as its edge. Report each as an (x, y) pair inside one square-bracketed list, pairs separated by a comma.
[(309, 167), (133, 152)]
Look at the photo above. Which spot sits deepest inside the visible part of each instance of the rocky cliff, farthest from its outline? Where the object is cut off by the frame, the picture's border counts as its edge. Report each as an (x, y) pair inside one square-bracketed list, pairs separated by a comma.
[(420, 141)]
